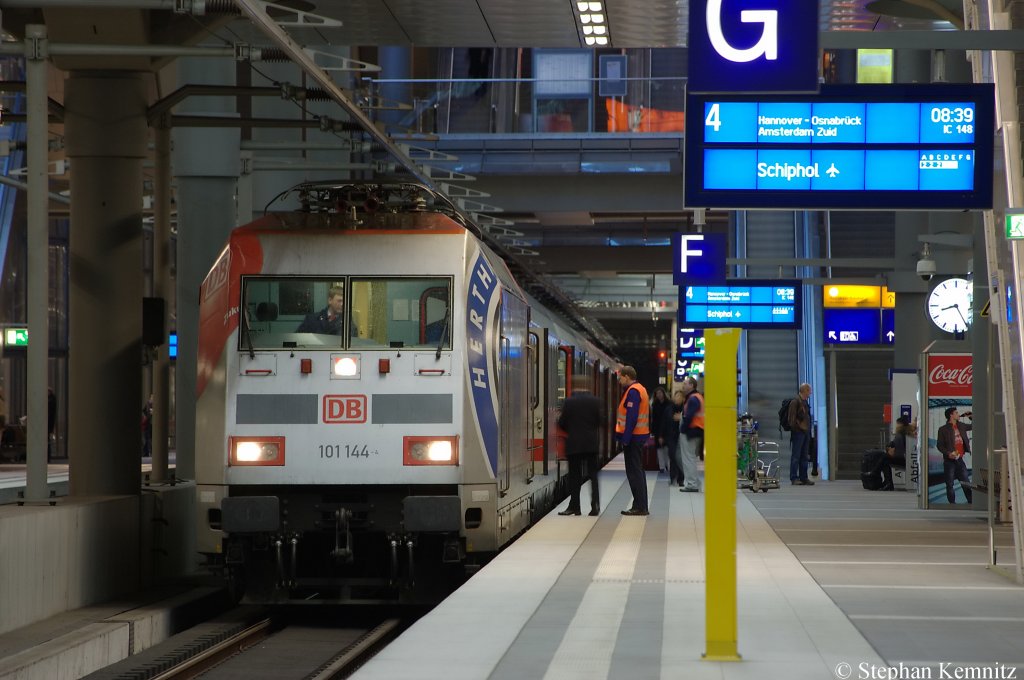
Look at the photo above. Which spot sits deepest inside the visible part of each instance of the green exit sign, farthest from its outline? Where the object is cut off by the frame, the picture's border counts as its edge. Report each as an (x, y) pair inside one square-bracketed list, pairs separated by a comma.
[(1015, 225), (16, 337)]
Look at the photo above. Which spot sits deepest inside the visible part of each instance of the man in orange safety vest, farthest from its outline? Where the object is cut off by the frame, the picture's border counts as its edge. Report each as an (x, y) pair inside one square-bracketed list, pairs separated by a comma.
[(632, 429)]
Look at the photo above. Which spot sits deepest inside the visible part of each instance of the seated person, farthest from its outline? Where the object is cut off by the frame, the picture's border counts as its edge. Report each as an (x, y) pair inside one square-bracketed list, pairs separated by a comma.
[(896, 451), (330, 319)]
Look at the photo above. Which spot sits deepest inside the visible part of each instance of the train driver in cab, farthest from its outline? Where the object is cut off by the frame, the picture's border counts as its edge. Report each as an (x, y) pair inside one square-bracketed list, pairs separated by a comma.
[(328, 320)]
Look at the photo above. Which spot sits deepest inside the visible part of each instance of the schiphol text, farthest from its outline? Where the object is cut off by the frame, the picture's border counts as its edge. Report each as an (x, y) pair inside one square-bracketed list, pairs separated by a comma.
[(942, 671), (788, 171)]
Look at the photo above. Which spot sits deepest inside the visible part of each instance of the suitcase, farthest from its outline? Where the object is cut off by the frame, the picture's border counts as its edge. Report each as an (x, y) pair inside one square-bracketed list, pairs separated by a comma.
[(651, 455)]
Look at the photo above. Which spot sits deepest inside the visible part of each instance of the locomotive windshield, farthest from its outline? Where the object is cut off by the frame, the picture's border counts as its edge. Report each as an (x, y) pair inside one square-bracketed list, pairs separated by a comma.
[(294, 312), (332, 312), (413, 311)]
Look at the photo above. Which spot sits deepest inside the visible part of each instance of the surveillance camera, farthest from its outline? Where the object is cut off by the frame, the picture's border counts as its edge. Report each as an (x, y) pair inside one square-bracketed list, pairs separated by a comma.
[(926, 269)]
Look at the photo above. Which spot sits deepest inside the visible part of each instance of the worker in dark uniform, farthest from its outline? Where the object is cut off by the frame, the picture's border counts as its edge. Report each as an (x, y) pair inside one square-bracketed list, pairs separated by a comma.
[(581, 420), (328, 320), (632, 428)]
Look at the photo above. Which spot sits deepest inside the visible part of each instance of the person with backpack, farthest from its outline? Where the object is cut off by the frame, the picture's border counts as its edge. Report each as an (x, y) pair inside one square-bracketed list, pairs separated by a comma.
[(798, 418)]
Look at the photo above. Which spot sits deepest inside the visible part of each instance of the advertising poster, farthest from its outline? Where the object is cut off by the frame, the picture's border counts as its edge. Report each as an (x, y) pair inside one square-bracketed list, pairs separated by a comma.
[(949, 383)]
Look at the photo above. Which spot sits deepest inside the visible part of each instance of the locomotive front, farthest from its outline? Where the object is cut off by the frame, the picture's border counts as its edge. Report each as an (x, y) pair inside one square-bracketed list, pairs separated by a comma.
[(331, 404)]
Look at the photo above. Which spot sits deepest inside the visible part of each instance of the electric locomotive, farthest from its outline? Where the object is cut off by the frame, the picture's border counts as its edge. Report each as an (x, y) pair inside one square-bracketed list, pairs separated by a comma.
[(376, 399)]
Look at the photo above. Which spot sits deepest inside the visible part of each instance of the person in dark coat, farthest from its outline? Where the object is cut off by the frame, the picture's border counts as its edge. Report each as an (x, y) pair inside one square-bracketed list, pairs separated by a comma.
[(661, 424), (581, 420), (675, 469), (953, 443)]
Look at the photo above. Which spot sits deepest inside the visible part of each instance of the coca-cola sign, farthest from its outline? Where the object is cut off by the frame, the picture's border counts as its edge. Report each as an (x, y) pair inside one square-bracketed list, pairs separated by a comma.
[(950, 375)]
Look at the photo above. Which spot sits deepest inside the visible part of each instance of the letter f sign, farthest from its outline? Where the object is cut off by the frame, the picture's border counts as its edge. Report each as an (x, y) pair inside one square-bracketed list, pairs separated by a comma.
[(685, 252), (767, 45)]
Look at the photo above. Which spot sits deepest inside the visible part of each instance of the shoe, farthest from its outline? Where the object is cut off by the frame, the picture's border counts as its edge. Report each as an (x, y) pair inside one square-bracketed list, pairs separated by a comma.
[(569, 512), (689, 490), (633, 512), (594, 512), (805, 482)]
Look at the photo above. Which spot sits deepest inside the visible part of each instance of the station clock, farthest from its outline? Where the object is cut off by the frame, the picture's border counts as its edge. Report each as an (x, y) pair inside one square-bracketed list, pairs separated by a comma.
[(949, 305)]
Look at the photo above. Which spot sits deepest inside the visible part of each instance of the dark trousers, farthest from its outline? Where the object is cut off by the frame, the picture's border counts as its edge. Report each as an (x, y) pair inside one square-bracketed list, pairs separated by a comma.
[(956, 469), (634, 453), (576, 465), (675, 468), (798, 458)]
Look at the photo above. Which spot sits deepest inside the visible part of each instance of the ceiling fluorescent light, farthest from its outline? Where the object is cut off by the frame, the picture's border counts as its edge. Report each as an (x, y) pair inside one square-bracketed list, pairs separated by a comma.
[(590, 39), (594, 6), (582, 6), (600, 30), (585, 18), (602, 40), (597, 18), (587, 30)]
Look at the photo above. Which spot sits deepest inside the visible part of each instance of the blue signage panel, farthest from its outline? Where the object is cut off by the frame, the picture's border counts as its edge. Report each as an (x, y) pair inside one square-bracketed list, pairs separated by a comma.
[(753, 46), (888, 326), (690, 343), (844, 326), (699, 258), (877, 146), (172, 346), (741, 304)]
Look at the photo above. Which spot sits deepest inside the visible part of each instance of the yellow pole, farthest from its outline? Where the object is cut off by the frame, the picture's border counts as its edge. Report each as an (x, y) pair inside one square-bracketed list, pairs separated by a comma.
[(720, 492)]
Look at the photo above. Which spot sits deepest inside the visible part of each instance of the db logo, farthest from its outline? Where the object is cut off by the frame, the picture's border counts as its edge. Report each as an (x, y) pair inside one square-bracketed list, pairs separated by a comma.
[(344, 408)]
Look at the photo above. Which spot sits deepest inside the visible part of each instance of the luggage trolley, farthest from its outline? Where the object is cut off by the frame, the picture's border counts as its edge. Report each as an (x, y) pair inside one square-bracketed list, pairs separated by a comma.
[(746, 451), (766, 467)]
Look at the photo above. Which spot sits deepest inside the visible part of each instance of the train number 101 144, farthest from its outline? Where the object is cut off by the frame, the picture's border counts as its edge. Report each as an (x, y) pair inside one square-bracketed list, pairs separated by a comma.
[(346, 451)]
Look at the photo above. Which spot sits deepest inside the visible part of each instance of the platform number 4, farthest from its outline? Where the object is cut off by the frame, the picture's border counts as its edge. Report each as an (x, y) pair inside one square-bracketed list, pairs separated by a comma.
[(713, 119)]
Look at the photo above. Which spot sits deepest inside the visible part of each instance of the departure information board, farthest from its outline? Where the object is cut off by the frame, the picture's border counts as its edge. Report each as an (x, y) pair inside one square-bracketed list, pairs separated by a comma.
[(741, 304), (858, 147)]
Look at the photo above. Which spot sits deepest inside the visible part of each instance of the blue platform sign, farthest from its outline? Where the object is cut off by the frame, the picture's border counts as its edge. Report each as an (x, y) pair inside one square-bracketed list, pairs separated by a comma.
[(845, 326), (856, 147), (741, 303), (690, 343), (753, 46), (888, 326), (699, 258)]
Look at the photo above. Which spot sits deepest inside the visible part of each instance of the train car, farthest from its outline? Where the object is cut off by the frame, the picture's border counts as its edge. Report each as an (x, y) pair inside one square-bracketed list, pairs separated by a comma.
[(376, 398)]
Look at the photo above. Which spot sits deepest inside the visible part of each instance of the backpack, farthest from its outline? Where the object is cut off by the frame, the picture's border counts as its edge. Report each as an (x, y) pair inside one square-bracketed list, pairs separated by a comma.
[(871, 469), (784, 415)]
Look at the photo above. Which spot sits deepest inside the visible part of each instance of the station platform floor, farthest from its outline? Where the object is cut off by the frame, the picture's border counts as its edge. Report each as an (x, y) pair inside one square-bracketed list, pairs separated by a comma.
[(833, 582)]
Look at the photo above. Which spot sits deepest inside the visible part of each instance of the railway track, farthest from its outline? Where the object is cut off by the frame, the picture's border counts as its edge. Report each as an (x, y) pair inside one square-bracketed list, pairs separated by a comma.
[(249, 644)]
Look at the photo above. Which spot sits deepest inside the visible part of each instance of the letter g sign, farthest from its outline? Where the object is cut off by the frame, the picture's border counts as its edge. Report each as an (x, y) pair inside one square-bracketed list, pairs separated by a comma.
[(768, 45), (753, 46)]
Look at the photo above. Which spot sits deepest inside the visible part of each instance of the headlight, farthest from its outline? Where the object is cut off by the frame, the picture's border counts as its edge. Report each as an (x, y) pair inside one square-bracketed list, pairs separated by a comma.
[(344, 366), (256, 451), (430, 450)]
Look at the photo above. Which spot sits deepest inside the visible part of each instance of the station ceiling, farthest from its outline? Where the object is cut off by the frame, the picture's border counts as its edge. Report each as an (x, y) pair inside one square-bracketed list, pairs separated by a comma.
[(569, 234)]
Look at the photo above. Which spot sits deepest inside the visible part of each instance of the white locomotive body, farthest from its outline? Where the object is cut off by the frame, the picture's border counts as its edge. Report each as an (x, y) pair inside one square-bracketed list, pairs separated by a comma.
[(373, 405)]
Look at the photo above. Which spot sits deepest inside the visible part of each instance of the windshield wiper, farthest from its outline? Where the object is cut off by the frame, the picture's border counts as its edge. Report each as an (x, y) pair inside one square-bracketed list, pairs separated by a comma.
[(244, 311), (444, 332)]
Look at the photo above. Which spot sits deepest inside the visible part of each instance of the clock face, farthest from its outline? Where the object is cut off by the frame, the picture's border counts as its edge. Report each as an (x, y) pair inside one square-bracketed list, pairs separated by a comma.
[(949, 305)]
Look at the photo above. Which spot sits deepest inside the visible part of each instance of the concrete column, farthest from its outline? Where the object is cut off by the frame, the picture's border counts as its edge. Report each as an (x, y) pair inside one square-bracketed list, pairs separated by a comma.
[(161, 289), (38, 311), (206, 168), (105, 122), (395, 63)]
